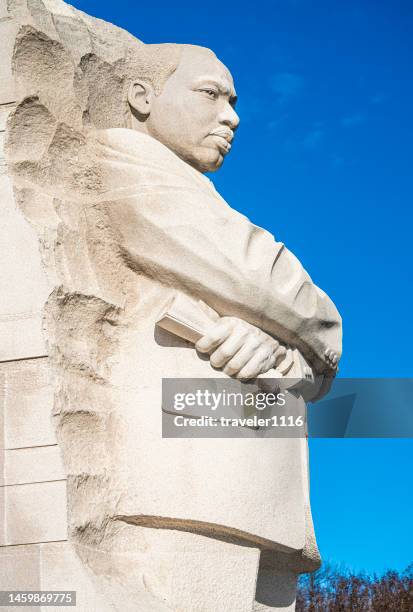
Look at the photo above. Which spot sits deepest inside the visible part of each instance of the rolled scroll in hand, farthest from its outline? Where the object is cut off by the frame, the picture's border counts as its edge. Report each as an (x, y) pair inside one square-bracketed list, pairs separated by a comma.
[(190, 319)]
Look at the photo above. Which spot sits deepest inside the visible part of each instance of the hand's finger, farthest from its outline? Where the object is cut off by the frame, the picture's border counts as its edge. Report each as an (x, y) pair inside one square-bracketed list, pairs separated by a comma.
[(261, 362), (210, 312), (243, 356), (279, 355), (215, 335), (229, 348)]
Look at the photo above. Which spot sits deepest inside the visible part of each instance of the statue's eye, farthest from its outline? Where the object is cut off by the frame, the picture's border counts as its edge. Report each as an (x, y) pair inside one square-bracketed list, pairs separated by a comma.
[(211, 93)]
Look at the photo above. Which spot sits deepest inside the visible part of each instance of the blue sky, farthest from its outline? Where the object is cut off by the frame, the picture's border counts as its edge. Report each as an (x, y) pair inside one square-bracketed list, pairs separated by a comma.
[(323, 159)]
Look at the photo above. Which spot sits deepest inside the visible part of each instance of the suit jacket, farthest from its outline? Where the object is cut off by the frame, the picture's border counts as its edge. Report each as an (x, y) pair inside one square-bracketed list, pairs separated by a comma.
[(129, 224)]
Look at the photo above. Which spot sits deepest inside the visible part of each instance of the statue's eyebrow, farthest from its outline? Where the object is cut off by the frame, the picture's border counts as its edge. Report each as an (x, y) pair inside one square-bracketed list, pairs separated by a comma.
[(223, 88)]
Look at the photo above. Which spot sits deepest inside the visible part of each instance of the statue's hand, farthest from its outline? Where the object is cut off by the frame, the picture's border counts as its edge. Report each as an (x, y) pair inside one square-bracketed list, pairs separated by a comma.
[(240, 349)]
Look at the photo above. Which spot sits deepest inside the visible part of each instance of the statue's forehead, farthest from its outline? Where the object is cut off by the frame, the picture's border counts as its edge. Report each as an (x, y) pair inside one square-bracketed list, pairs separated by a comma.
[(200, 62)]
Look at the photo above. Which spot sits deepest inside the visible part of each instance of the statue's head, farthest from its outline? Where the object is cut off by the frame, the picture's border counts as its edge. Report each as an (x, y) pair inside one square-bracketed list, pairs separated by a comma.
[(183, 96)]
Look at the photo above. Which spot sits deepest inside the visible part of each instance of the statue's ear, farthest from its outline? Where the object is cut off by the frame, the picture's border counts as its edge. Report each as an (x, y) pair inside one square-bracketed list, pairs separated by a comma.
[(140, 96)]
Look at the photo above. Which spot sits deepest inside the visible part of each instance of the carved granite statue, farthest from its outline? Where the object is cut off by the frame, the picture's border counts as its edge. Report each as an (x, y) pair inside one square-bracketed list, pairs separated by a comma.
[(108, 148)]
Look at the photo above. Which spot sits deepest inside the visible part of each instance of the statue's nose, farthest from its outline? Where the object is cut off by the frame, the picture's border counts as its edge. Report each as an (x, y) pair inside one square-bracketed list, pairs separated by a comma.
[(229, 117)]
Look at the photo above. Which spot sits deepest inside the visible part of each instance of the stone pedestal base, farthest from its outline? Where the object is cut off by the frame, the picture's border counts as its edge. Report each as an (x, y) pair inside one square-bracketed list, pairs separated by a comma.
[(169, 571)]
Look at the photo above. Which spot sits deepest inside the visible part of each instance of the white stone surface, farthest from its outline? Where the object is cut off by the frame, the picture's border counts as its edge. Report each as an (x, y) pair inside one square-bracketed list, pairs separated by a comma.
[(201, 563), (26, 465), (21, 336), (25, 287), (26, 400), (53, 566), (4, 113), (8, 30), (20, 568), (3, 9), (34, 513), (61, 569), (170, 570), (3, 532), (21, 303)]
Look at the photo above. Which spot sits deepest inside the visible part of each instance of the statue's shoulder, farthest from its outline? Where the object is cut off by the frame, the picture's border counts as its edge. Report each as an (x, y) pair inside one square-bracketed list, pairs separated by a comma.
[(132, 144), (138, 154)]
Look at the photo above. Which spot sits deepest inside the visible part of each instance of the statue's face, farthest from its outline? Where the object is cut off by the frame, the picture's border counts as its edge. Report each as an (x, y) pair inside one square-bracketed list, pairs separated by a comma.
[(194, 114)]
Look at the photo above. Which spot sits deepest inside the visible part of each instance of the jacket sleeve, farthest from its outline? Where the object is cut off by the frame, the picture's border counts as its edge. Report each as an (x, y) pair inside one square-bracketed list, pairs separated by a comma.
[(192, 240)]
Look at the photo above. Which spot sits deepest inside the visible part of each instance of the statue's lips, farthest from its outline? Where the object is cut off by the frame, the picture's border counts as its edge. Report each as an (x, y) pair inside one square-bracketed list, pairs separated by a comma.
[(223, 140)]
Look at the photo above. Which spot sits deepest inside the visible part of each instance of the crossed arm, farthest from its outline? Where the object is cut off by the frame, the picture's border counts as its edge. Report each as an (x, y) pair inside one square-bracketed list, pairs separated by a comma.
[(240, 349), (180, 232), (260, 306)]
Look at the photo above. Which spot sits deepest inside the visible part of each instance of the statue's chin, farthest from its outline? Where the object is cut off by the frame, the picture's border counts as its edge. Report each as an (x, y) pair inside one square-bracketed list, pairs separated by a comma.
[(202, 158), (209, 160), (217, 165)]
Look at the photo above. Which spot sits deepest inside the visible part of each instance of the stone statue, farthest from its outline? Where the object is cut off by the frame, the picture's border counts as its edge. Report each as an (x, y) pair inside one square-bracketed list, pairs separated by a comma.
[(108, 148)]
